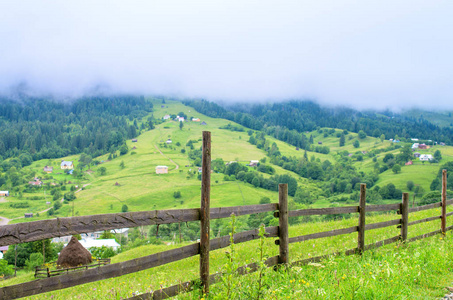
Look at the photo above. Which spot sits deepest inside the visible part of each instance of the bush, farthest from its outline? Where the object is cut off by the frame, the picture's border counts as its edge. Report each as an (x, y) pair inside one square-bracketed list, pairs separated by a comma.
[(124, 208), (102, 252), (35, 260), (6, 269), (177, 194)]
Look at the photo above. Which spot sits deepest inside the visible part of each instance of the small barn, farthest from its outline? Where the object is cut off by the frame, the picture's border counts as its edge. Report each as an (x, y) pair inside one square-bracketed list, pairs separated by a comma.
[(253, 163), (203, 123), (28, 215), (48, 169), (73, 255), (161, 170), (134, 140)]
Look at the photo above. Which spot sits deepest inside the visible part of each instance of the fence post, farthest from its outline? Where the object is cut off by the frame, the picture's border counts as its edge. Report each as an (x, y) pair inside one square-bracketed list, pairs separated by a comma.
[(283, 223), (205, 211), (444, 201), (361, 227), (404, 216)]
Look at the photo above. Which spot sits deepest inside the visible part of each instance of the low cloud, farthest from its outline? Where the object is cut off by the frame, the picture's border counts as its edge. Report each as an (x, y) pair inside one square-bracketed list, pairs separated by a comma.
[(355, 53)]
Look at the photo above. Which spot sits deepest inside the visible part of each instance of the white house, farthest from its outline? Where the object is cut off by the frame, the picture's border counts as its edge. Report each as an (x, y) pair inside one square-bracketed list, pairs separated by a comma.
[(415, 145), (180, 119), (426, 157), (161, 170), (166, 117), (65, 165), (4, 193), (253, 163), (88, 243)]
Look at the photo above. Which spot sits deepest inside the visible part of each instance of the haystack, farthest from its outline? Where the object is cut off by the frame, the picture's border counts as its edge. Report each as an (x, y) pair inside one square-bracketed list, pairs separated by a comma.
[(73, 255)]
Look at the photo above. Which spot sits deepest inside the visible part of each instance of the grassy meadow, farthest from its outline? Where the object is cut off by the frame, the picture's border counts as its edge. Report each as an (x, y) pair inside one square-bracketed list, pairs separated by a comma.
[(419, 270)]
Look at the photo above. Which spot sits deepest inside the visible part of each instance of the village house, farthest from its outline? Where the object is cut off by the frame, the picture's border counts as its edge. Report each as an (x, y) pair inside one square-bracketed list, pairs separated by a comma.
[(415, 145), (426, 157), (422, 146), (36, 182), (203, 123), (416, 155), (166, 117), (66, 165), (409, 163), (48, 169), (254, 163), (168, 141), (4, 193), (179, 119), (28, 215), (161, 170), (89, 243), (319, 143), (195, 119), (442, 143), (3, 249), (134, 140)]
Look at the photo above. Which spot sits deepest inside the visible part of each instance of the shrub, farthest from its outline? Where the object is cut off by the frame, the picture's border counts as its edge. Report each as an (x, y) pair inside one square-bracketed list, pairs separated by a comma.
[(35, 260), (124, 208)]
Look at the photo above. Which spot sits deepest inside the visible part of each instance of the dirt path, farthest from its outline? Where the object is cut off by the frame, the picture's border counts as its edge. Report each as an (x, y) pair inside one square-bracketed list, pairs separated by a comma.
[(177, 166), (4, 221)]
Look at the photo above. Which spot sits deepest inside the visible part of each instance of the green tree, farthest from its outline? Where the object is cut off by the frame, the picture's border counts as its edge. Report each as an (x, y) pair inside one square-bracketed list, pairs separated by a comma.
[(181, 125), (102, 171), (122, 165), (410, 185), (123, 149), (124, 208), (396, 168), (356, 144), (362, 134), (177, 194), (342, 139), (437, 155)]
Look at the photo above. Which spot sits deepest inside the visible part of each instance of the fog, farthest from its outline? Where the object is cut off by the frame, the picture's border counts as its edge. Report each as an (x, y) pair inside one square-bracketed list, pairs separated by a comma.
[(380, 54)]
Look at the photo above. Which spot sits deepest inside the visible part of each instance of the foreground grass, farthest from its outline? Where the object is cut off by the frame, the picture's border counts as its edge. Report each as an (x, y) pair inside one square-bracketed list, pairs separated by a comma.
[(419, 270)]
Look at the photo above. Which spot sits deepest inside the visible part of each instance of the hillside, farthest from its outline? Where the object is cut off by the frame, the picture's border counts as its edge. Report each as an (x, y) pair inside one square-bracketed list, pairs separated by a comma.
[(131, 180)]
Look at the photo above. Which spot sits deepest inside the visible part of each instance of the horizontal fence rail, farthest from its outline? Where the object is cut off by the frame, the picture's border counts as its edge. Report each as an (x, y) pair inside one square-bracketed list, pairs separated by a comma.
[(39, 230)]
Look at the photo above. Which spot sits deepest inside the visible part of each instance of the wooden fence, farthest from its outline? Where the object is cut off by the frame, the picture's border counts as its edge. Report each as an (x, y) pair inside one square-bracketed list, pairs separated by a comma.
[(47, 272), (38, 230)]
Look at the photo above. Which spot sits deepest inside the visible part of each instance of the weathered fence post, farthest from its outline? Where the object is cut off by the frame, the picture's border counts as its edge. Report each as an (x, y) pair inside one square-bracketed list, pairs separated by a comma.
[(444, 202), (361, 228), (404, 216), (283, 223), (205, 211)]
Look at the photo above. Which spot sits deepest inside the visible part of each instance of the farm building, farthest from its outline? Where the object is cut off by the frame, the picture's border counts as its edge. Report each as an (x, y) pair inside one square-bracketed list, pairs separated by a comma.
[(415, 145), (48, 169), (422, 146), (195, 119), (88, 243), (319, 143), (203, 123), (166, 117), (179, 119), (28, 215), (4, 193), (134, 140), (416, 154), (161, 170), (253, 163), (66, 165), (3, 249), (409, 163), (426, 157), (169, 141)]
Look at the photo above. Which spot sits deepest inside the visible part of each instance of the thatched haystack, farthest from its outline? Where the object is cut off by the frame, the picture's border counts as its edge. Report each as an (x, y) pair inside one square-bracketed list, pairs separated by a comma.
[(73, 255)]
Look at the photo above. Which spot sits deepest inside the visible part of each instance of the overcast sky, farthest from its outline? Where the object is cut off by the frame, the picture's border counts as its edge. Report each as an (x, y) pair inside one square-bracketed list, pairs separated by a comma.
[(359, 53)]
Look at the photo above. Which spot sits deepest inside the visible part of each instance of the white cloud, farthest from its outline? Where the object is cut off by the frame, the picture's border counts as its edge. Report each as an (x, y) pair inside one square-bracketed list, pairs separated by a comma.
[(359, 53)]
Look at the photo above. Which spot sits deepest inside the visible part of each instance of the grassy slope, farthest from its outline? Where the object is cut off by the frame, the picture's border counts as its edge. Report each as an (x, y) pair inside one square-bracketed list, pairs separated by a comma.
[(141, 189)]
